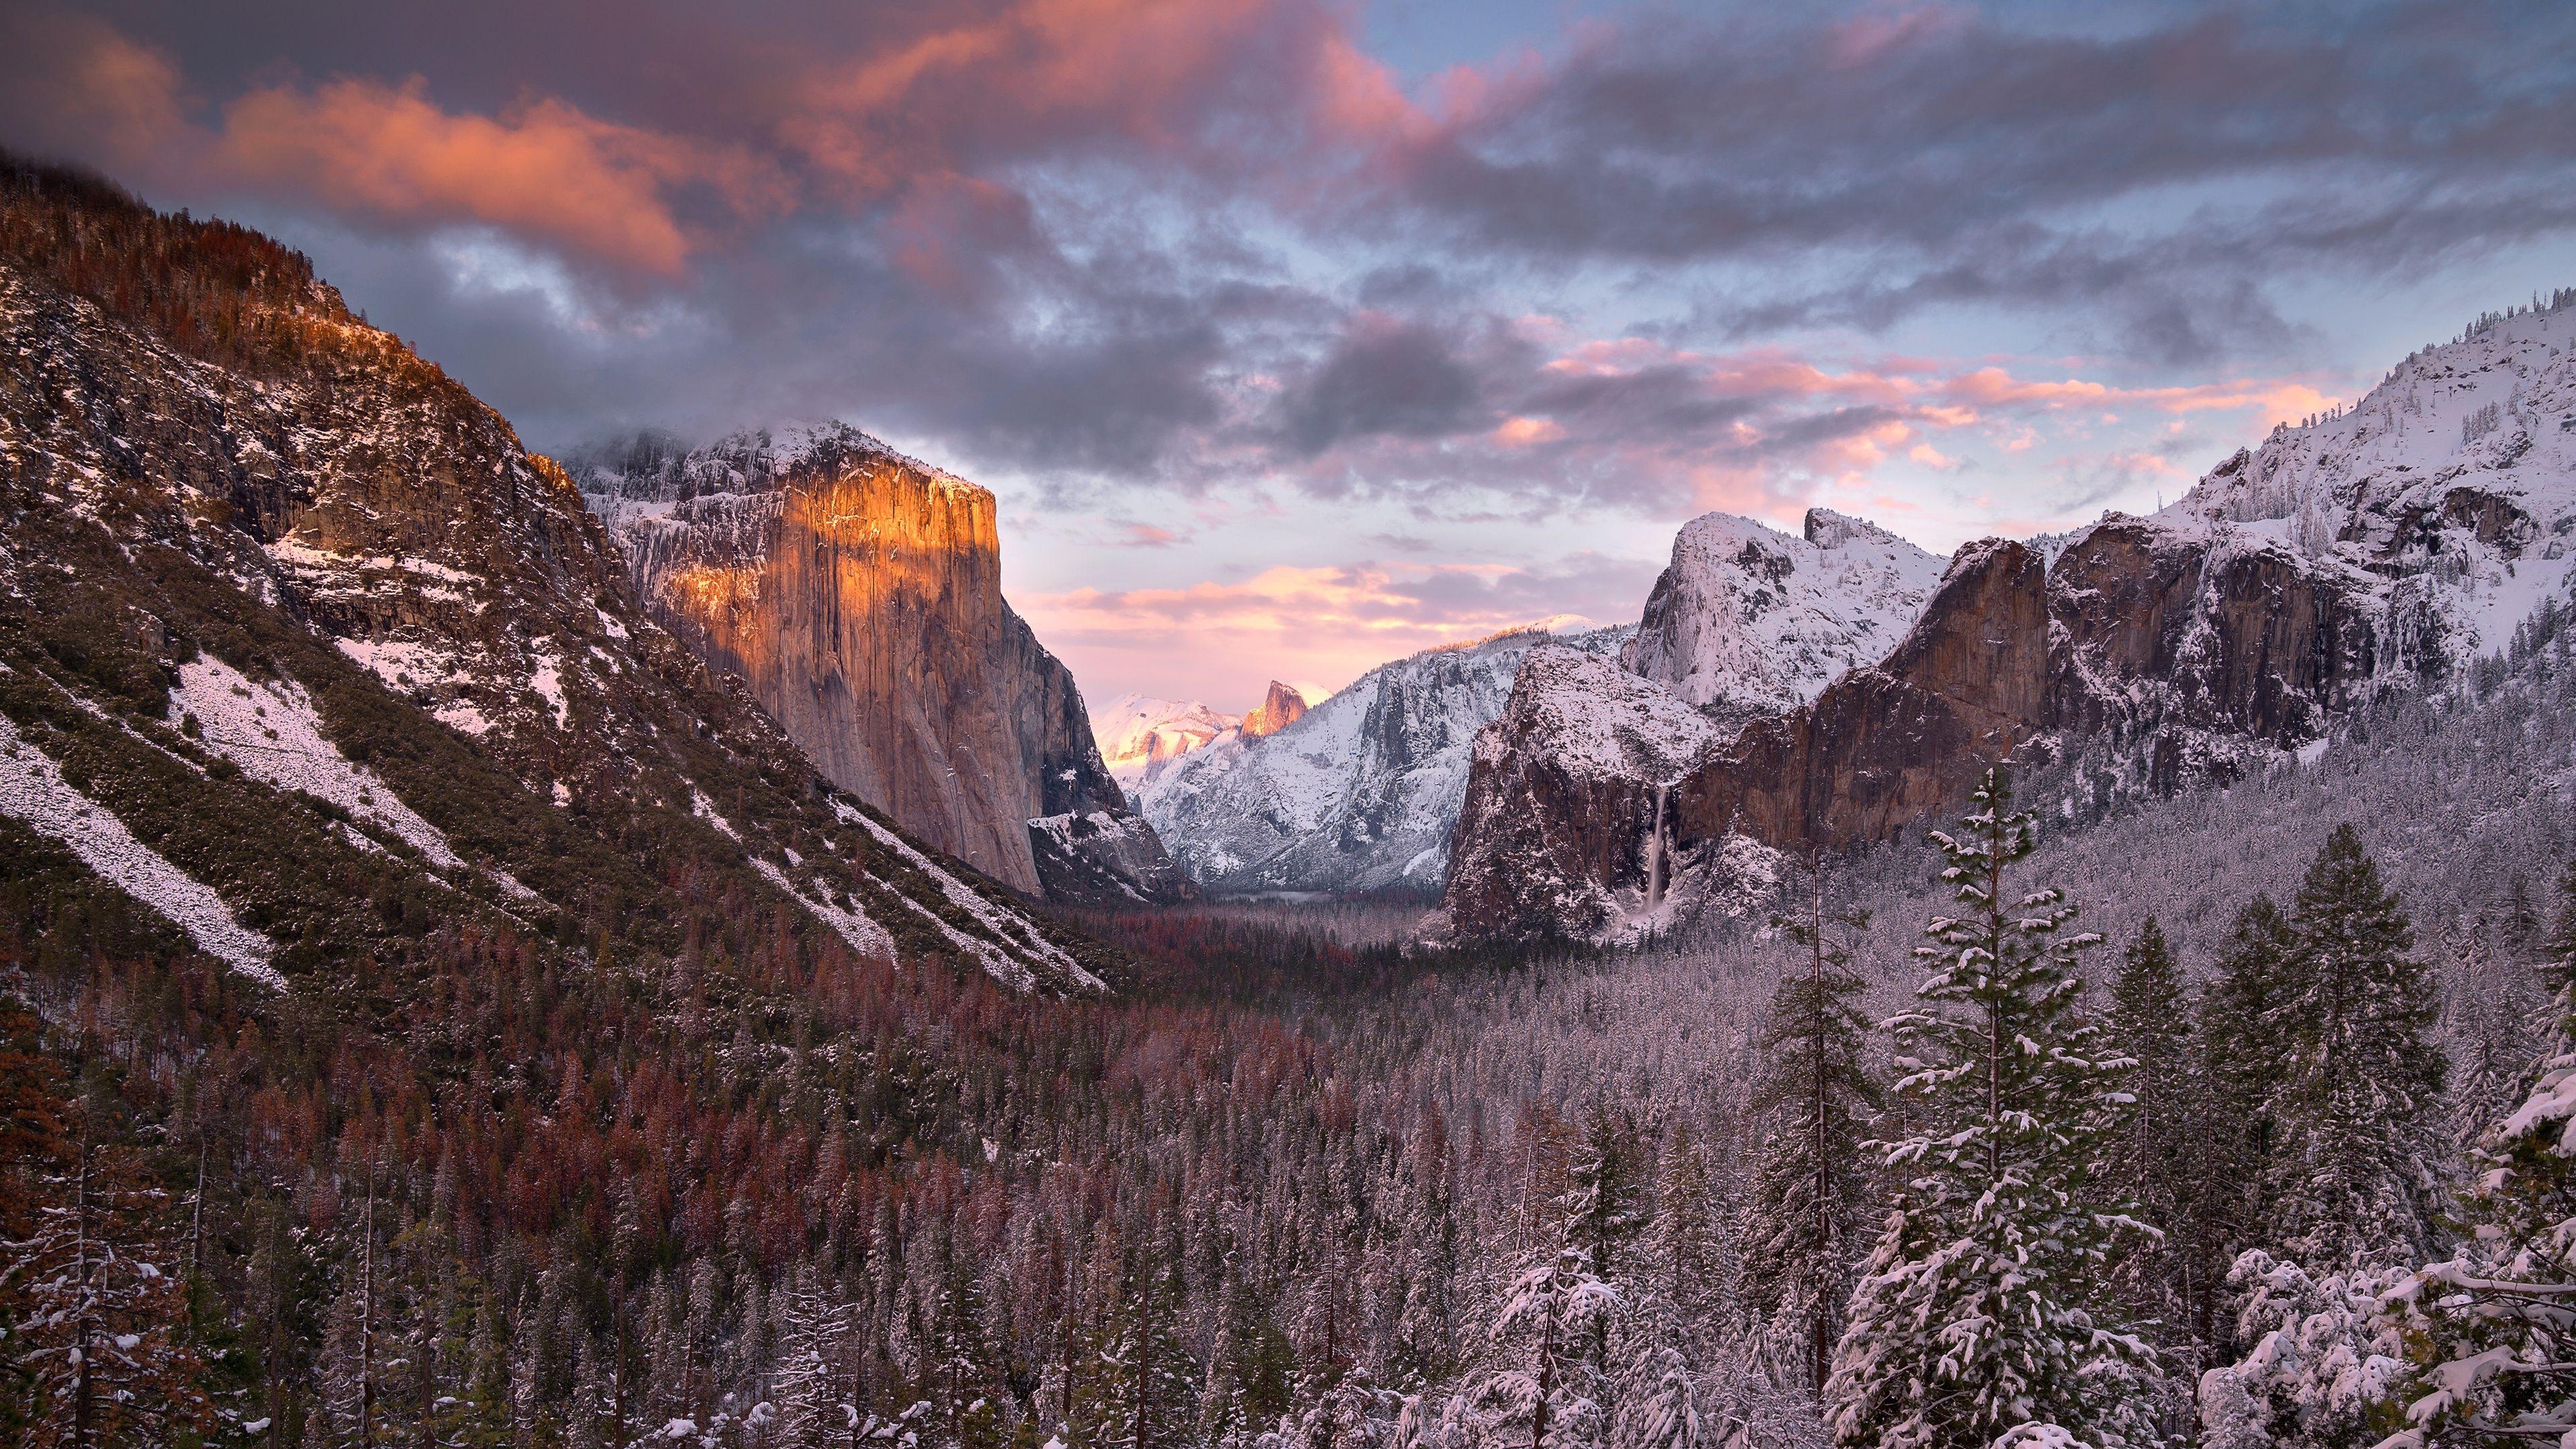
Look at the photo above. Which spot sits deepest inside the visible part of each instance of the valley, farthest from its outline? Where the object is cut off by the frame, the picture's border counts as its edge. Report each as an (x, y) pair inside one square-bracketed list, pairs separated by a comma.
[(647, 944)]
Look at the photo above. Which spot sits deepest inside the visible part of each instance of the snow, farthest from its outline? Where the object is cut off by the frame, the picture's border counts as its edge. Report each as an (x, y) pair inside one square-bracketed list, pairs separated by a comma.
[(705, 809), (1006, 925), (1361, 792), (851, 923), (1139, 736), (1595, 720), (547, 681), (1752, 622), (271, 731), (33, 791), (2491, 414)]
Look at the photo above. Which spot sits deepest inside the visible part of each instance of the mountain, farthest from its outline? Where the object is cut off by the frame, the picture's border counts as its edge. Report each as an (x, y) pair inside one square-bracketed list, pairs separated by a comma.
[(1280, 707), (1358, 793), (857, 593), (300, 648), (2389, 545), (1747, 622), (1140, 736)]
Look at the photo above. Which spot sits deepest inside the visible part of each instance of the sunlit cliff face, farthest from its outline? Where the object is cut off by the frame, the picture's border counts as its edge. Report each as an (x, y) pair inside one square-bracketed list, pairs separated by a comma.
[(860, 600)]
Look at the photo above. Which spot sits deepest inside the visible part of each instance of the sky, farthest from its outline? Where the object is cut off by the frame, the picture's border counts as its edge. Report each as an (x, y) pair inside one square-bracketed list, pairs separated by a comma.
[(1299, 335)]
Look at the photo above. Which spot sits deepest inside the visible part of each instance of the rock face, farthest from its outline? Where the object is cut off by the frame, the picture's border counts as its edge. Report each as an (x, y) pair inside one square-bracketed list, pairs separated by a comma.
[(1280, 708), (2383, 547), (303, 546), (1359, 793), (857, 593)]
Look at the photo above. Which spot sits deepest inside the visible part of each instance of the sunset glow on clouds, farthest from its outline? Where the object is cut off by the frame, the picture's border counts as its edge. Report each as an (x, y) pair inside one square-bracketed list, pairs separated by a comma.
[(1297, 333)]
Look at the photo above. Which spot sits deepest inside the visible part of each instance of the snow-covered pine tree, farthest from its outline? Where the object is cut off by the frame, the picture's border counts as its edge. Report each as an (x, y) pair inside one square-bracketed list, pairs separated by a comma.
[(2492, 1330), (1985, 1305), (1599, 1205), (2360, 1101), (1148, 1386), (1806, 1222), (960, 1376), (1690, 1262), (97, 1330), (1546, 1387), (2154, 1160)]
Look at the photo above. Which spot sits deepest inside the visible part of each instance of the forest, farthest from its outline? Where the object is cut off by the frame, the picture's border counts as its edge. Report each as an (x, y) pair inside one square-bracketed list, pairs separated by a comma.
[(1953, 1144)]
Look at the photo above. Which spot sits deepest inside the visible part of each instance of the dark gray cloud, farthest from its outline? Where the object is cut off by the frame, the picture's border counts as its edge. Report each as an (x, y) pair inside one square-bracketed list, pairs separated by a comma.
[(1225, 248)]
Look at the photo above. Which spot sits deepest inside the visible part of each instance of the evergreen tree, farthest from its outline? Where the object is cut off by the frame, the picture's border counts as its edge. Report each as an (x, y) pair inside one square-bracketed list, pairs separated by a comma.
[(1599, 1204), (1148, 1387), (2154, 1161), (2244, 1072), (2360, 1100), (1983, 1307), (1810, 1189), (2491, 1330), (1548, 1383), (96, 1332), (1690, 1262)]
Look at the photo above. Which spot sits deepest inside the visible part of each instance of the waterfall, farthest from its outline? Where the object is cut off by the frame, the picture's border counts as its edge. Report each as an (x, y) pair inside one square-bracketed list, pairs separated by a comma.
[(1655, 853)]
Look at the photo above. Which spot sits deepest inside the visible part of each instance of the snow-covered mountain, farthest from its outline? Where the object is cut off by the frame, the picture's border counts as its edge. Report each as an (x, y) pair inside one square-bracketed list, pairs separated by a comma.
[(1360, 792), (1748, 621), (2450, 487), (2388, 545), (1140, 736)]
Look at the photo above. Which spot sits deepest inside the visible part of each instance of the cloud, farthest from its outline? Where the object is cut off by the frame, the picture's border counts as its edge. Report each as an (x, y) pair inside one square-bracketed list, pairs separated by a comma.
[(1329, 621)]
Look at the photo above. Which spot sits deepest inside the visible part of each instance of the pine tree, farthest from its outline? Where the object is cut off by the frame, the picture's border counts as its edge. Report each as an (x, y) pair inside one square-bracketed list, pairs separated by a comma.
[(1691, 1266), (1599, 1205), (2360, 1101), (1983, 1308), (2243, 1067), (2154, 1160), (1806, 1222), (1548, 1383), (2492, 1330), (97, 1330), (1149, 1387)]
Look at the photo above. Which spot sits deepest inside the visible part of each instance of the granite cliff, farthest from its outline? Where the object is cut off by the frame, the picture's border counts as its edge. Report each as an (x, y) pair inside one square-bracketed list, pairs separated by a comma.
[(857, 593)]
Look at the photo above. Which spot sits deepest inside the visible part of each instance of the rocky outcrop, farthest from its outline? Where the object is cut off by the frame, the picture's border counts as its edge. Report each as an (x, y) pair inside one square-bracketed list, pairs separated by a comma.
[(1280, 708), (857, 592), (1141, 737)]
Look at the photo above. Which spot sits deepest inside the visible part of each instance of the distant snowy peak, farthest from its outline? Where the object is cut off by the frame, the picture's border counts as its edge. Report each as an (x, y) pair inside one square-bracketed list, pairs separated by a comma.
[(1141, 736), (1361, 791), (1748, 621), (2460, 464)]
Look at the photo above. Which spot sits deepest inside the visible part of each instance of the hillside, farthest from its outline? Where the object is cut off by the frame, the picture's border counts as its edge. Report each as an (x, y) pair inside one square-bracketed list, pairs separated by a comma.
[(306, 622)]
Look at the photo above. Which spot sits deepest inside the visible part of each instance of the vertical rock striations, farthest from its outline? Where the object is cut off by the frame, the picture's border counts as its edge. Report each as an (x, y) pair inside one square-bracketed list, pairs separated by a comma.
[(858, 594)]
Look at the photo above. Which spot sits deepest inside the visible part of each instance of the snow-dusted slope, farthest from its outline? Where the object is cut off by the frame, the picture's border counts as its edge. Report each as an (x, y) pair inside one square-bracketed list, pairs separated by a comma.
[(1141, 736), (2453, 483), (1748, 621), (1358, 794)]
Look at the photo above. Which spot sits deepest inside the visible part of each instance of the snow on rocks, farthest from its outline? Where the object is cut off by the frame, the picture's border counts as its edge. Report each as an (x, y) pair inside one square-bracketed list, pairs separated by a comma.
[(1140, 736), (33, 791), (271, 731), (1748, 621), (1362, 791), (1006, 925), (849, 922)]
